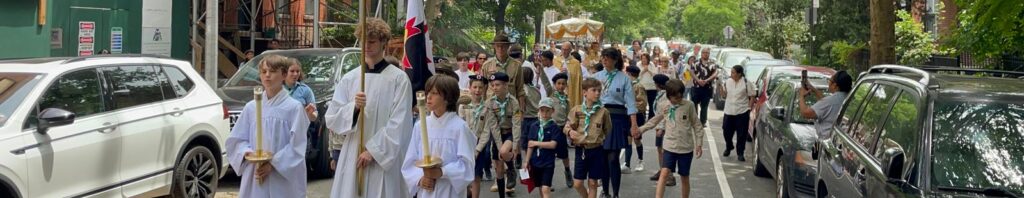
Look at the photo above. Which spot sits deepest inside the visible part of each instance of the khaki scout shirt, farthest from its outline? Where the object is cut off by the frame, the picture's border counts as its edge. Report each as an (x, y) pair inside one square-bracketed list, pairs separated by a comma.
[(641, 97), (684, 133), (472, 113), (561, 108), (494, 122), (600, 125), (532, 96), (513, 68)]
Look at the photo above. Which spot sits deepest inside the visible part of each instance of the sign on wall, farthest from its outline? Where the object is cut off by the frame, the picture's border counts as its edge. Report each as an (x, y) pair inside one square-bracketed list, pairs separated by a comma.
[(156, 27), (86, 37), (116, 34)]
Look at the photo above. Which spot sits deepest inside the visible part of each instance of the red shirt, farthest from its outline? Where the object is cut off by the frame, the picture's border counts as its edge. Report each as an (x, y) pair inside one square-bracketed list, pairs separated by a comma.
[(475, 67)]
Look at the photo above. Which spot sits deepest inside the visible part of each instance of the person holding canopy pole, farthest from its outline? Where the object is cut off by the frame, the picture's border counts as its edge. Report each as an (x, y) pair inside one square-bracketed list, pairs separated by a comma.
[(375, 119)]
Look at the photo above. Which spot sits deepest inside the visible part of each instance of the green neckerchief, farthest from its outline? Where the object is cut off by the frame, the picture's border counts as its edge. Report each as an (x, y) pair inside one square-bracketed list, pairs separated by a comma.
[(501, 105), (660, 94), (563, 99), (672, 112), (588, 114), (479, 109), (501, 64), (611, 77), (540, 134)]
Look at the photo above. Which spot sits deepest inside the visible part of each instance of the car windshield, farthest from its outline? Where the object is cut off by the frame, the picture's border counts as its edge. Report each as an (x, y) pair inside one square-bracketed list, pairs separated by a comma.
[(810, 100), (317, 67), (13, 89), (977, 144)]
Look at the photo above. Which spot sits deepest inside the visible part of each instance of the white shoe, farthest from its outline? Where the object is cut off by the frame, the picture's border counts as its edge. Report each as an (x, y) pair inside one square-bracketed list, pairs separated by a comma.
[(622, 155), (639, 166), (625, 169)]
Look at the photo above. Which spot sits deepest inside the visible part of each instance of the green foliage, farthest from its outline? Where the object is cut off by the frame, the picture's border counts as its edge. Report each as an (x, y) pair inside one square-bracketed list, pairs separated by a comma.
[(839, 20), (989, 28), (913, 45), (775, 25), (625, 19), (844, 55), (703, 20)]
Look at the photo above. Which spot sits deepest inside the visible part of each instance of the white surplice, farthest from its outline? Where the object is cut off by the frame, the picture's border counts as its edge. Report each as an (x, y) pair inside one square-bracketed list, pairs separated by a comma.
[(453, 142), (388, 121), (284, 134)]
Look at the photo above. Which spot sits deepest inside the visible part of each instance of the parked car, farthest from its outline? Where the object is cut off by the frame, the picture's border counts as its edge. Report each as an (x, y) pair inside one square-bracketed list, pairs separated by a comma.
[(770, 78), (785, 141), (927, 132), (727, 59), (322, 67), (109, 126), (652, 43)]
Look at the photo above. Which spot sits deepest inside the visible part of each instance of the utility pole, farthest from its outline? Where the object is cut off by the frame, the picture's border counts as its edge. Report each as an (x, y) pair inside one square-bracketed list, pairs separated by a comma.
[(883, 32), (931, 18), (316, 24), (210, 47)]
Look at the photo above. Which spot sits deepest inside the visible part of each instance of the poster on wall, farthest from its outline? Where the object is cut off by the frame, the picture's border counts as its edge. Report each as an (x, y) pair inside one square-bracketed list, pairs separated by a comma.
[(156, 27), (86, 37), (116, 33)]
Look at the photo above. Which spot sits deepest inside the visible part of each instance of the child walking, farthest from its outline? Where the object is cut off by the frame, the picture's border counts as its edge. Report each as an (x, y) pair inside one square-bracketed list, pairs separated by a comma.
[(284, 123), (684, 135), (449, 139), (542, 140), (587, 126), (472, 114)]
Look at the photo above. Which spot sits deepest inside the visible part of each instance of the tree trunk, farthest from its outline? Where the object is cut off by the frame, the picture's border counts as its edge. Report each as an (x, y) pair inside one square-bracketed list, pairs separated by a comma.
[(538, 30), (499, 16), (883, 32)]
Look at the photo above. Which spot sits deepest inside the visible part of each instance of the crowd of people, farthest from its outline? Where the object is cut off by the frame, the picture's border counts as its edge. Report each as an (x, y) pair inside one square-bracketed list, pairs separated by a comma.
[(503, 118)]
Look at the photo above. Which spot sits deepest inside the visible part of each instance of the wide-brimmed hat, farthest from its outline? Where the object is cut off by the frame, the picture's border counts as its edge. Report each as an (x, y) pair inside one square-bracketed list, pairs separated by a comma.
[(501, 38)]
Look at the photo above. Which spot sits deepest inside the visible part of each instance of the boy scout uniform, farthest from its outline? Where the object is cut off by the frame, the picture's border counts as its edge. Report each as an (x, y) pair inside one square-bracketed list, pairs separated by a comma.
[(683, 130), (593, 134)]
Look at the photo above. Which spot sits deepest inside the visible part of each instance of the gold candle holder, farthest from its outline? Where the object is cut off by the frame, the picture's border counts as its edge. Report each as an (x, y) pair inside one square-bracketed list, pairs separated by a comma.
[(261, 155), (429, 160)]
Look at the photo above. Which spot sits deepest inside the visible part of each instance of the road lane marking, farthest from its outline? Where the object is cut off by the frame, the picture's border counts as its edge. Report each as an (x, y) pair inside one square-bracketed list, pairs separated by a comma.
[(719, 172)]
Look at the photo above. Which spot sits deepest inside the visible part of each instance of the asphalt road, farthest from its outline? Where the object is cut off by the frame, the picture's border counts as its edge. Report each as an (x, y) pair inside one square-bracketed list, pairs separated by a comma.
[(712, 175)]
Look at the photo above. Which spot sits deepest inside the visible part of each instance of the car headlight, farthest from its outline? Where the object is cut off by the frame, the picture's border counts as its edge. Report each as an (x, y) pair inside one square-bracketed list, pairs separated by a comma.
[(803, 158)]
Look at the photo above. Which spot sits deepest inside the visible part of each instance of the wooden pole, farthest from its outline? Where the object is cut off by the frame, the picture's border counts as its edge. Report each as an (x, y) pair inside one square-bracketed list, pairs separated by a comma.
[(360, 172)]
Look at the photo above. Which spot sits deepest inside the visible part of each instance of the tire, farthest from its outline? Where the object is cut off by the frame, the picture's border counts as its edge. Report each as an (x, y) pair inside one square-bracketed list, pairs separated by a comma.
[(759, 169), (781, 184), (821, 190), (187, 183)]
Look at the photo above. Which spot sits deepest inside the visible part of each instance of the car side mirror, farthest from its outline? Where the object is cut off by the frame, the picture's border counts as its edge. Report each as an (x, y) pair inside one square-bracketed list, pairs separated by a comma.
[(893, 158), (52, 117), (778, 113)]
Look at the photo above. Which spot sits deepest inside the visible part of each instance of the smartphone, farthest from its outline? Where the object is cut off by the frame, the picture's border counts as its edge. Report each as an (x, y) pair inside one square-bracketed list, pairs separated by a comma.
[(803, 80)]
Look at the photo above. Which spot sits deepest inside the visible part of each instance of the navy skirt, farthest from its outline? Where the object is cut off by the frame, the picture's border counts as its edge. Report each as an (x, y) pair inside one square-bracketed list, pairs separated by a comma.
[(620, 132)]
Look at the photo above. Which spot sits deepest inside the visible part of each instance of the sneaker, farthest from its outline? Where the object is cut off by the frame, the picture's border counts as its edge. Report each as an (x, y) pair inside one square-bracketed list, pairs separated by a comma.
[(625, 169), (494, 188), (639, 166), (656, 176)]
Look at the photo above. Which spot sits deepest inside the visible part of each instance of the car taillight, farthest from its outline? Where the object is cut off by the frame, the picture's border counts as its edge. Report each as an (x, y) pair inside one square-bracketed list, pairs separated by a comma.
[(226, 115)]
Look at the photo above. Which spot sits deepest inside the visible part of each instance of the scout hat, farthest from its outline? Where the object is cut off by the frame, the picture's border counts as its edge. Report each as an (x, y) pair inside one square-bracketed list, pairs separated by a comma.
[(546, 102), (499, 76), (501, 38)]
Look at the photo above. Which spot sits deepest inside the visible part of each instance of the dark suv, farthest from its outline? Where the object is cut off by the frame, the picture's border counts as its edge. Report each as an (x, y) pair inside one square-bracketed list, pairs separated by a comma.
[(927, 132), (784, 145)]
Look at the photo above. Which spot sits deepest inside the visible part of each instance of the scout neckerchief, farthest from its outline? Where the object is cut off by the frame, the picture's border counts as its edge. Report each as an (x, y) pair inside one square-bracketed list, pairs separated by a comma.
[(479, 109), (588, 113), (501, 105), (563, 99), (672, 112), (540, 134), (501, 64), (291, 90), (611, 77)]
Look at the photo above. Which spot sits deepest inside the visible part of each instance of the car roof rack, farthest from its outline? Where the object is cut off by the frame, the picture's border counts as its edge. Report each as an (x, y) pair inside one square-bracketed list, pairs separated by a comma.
[(969, 71), (114, 56), (894, 69)]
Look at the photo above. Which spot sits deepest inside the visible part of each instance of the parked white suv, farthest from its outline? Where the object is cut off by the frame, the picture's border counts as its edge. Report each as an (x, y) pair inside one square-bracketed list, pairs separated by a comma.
[(108, 126)]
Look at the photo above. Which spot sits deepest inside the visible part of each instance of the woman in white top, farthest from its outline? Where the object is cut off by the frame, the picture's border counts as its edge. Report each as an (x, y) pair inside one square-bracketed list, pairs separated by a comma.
[(739, 99), (665, 68), (647, 72)]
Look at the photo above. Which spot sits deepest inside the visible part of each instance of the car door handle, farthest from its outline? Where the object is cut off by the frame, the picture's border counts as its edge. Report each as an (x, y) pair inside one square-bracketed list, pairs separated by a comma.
[(176, 112), (107, 127)]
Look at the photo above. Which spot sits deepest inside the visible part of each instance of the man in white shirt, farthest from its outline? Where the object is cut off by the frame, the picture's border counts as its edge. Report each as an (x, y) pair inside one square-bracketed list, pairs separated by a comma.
[(463, 71), (739, 99)]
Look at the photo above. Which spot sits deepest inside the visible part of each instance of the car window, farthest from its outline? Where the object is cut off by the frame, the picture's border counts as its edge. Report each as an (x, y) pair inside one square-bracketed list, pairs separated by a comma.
[(349, 62), (901, 128), (976, 142), (865, 131), (133, 85), (779, 95), (853, 106), (78, 92), (14, 88), (809, 101), (176, 82)]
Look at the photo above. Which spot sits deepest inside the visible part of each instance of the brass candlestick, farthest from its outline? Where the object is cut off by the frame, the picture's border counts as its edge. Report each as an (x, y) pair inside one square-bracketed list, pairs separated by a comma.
[(429, 160), (261, 156)]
